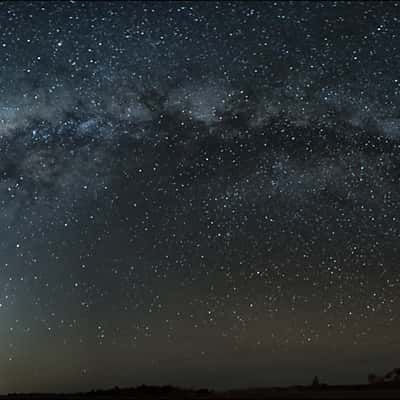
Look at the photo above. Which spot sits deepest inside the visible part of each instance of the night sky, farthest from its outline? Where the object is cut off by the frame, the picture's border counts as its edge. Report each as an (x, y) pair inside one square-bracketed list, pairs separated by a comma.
[(198, 194)]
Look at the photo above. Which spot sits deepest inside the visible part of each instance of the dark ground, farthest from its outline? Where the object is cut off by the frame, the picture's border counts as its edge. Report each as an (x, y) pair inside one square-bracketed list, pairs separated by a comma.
[(298, 392)]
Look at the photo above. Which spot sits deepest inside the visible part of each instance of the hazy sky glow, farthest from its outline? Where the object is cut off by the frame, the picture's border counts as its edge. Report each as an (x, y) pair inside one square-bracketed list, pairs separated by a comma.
[(198, 194)]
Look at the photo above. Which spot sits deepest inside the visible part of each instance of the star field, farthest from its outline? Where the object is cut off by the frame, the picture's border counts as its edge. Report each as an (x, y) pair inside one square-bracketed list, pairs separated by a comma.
[(198, 193)]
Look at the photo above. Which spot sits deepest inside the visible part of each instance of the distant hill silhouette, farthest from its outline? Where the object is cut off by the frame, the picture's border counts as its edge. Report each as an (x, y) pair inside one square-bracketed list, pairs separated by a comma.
[(378, 388)]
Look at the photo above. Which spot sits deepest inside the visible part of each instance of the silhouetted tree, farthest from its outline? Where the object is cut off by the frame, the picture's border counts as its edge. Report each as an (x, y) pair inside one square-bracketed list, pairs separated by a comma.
[(315, 382)]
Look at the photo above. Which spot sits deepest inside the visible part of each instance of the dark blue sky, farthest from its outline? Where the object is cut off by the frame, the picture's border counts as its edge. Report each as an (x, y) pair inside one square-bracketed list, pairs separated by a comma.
[(198, 193)]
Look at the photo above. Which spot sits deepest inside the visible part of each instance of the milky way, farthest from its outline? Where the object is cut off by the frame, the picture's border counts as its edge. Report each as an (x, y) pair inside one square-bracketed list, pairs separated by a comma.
[(199, 194)]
